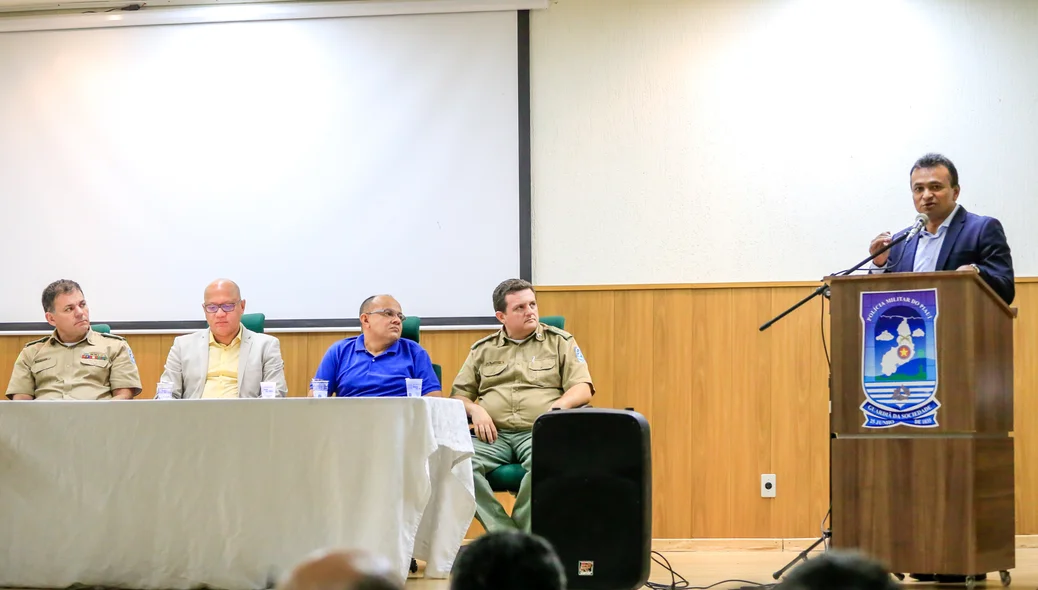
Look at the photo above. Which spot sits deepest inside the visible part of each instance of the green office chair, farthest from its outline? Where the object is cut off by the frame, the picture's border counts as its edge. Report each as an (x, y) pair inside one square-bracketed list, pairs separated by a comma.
[(254, 321), (412, 330), (102, 328), (507, 478), (555, 321)]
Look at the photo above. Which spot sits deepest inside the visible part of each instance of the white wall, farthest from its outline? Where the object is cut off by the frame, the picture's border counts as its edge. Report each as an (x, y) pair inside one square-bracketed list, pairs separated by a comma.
[(736, 140)]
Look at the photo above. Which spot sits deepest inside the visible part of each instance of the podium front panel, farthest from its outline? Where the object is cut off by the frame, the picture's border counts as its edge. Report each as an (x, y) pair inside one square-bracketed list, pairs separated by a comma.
[(919, 353), (926, 504)]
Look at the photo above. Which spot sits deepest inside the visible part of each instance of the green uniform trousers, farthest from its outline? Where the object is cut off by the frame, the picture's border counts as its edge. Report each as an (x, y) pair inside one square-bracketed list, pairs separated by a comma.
[(509, 447)]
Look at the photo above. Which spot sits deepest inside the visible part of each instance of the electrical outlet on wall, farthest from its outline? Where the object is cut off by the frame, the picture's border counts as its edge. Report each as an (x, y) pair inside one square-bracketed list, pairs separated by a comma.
[(767, 485)]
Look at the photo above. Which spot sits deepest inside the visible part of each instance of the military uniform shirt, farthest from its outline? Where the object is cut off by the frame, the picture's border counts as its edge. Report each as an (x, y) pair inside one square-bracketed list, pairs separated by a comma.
[(517, 382), (88, 370)]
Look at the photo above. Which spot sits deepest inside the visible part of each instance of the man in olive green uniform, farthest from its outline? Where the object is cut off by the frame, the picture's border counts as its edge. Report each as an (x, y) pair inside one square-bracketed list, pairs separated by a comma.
[(509, 379), (73, 362)]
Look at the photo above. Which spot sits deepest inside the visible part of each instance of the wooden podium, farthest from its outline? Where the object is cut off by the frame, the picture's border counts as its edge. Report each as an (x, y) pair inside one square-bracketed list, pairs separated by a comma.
[(921, 422)]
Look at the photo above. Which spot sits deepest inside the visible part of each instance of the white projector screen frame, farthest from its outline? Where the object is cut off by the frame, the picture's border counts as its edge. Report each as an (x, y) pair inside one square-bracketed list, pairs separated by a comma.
[(432, 234)]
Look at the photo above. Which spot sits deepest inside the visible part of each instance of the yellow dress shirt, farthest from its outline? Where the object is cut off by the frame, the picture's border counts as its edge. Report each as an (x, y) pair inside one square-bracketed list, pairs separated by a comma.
[(222, 378)]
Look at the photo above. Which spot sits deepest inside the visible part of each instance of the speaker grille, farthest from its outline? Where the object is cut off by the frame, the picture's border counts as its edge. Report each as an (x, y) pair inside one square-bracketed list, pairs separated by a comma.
[(591, 495)]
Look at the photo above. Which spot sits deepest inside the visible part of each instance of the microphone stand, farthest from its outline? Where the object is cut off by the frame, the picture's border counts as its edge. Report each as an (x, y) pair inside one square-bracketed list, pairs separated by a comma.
[(823, 289)]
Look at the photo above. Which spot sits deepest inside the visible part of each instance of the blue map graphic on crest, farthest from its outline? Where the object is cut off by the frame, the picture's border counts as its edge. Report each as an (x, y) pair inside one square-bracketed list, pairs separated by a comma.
[(899, 358)]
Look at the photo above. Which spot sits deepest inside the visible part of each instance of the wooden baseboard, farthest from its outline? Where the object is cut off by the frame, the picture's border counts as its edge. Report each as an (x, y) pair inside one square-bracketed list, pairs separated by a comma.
[(1027, 541), (675, 545), (792, 545)]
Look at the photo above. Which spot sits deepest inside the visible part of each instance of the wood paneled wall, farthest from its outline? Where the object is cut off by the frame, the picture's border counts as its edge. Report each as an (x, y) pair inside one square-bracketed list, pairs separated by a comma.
[(725, 402)]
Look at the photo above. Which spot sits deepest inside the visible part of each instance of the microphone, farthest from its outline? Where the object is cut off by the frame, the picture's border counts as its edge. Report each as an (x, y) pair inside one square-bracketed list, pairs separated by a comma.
[(920, 221)]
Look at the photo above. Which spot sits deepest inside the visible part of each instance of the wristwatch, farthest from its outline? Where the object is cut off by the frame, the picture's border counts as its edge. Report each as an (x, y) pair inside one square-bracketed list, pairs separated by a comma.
[(976, 268)]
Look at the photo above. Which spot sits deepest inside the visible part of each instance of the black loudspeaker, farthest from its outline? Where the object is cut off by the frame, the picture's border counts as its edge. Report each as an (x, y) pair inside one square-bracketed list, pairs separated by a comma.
[(591, 495)]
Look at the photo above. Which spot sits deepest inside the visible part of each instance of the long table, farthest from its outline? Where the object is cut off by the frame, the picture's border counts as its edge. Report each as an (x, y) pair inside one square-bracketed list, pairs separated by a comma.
[(177, 494)]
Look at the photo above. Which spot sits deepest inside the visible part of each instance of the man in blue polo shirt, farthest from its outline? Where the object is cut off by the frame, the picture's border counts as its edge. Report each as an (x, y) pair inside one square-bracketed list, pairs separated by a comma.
[(378, 362)]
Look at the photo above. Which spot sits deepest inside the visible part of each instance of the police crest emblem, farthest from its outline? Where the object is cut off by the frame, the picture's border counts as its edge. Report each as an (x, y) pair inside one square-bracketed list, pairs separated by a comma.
[(899, 358)]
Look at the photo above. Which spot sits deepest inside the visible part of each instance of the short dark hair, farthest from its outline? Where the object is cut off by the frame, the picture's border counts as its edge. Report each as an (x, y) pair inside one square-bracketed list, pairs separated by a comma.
[(839, 570), (58, 288), (507, 288), (934, 160), (508, 560)]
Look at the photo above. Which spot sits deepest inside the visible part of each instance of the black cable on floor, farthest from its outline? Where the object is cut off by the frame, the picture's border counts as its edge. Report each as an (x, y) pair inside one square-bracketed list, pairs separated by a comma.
[(679, 581)]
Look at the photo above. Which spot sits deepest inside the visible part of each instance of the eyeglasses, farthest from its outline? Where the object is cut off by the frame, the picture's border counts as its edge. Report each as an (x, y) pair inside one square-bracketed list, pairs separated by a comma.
[(389, 313), (213, 307)]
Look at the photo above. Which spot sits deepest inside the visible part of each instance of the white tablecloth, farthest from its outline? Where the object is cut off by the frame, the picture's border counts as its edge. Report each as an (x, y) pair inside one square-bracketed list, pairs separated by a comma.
[(226, 493)]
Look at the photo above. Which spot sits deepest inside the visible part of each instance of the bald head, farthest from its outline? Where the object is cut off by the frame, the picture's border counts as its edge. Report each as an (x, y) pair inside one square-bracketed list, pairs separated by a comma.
[(222, 286), (378, 302), (341, 570)]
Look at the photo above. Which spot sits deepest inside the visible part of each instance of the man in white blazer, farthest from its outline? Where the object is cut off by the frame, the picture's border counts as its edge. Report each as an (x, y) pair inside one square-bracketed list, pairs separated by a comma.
[(225, 360)]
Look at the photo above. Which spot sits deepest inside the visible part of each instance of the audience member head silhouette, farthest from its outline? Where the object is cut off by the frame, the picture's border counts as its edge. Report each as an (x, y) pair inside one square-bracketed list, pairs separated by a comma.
[(839, 570), (508, 560), (341, 570)]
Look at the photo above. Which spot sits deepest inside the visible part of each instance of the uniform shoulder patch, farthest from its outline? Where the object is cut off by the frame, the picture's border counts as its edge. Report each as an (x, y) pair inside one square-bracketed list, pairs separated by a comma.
[(110, 335), (579, 355), (483, 340), (37, 341), (557, 331)]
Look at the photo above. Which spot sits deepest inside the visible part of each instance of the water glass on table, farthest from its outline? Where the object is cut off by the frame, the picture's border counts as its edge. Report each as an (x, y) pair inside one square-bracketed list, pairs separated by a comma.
[(319, 388), (414, 387), (164, 390)]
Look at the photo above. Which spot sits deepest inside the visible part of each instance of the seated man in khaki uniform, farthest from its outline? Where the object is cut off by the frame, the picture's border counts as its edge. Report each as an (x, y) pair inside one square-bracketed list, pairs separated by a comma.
[(73, 362), (509, 379), (225, 360)]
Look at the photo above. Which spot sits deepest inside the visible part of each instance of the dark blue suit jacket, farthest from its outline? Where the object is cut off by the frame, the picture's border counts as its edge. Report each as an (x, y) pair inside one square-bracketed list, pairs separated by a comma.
[(971, 239)]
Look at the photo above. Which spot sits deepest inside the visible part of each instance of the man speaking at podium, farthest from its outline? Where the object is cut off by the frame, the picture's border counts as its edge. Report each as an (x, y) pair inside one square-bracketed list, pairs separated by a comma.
[(953, 238)]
